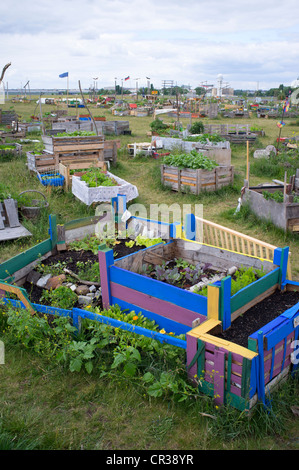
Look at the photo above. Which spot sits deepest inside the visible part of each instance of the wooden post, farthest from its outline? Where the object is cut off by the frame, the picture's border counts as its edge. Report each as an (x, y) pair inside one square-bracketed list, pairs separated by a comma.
[(225, 310), (106, 260), (190, 227), (213, 302)]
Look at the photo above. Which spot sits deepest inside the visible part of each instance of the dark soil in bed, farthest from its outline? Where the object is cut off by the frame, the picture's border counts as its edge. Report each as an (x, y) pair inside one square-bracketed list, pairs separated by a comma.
[(258, 316), (71, 258)]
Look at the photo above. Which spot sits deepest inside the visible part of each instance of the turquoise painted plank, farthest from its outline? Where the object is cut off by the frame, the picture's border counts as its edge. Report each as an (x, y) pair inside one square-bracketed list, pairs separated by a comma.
[(194, 302), (248, 293), (12, 265)]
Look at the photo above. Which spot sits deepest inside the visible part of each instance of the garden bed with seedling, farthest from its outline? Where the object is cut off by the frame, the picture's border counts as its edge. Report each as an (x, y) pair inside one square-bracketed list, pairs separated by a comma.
[(194, 172), (99, 186), (274, 204)]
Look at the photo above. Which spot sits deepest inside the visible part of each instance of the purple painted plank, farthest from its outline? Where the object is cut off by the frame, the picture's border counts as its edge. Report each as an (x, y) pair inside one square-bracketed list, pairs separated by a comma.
[(104, 262), (219, 377), (161, 307)]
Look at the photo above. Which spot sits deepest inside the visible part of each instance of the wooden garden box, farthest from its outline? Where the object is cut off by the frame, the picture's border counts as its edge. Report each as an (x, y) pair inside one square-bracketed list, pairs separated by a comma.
[(70, 147), (65, 169), (43, 161), (198, 180)]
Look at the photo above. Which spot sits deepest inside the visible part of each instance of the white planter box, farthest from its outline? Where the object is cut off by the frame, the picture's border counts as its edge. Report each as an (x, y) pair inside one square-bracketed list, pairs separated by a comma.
[(102, 193)]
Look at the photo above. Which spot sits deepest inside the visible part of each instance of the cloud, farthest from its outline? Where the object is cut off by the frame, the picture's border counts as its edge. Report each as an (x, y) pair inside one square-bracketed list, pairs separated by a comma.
[(187, 43)]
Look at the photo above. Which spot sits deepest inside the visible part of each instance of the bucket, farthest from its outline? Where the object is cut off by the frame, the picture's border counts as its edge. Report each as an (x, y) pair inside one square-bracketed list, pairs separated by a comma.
[(31, 212)]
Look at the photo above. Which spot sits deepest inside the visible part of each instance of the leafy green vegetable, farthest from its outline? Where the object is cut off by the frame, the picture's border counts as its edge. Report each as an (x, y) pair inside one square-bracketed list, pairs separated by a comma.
[(193, 160), (95, 177)]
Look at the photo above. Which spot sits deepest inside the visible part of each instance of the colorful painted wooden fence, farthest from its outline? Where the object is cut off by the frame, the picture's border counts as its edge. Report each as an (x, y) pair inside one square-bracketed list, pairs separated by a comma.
[(221, 369)]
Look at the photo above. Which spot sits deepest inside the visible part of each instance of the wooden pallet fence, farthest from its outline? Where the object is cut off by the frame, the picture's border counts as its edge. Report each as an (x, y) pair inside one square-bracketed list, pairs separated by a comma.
[(222, 370), (41, 162), (198, 180), (210, 233), (275, 345)]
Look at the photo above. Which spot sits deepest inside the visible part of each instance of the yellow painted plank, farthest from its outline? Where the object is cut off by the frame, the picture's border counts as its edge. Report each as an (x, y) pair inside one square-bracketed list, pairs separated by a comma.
[(206, 326), (213, 302), (231, 347)]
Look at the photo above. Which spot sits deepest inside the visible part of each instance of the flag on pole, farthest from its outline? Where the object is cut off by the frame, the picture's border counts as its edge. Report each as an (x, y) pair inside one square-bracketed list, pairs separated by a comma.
[(127, 78), (148, 78), (66, 74)]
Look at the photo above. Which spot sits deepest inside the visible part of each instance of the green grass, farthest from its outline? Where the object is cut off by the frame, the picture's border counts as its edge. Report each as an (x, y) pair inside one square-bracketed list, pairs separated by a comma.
[(45, 406)]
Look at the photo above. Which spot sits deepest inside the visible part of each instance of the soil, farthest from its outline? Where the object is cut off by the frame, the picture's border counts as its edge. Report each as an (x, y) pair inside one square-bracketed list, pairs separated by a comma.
[(71, 257), (258, 316)]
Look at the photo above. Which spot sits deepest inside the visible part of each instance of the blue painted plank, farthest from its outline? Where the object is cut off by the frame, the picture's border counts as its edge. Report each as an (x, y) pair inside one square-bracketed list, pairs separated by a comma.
[(194, 302), (132, 328)]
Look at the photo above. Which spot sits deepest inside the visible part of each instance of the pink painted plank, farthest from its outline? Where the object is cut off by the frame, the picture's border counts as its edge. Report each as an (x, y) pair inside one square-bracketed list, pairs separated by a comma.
[(219, 377), (160, 307), (235, 390), (277, 370)]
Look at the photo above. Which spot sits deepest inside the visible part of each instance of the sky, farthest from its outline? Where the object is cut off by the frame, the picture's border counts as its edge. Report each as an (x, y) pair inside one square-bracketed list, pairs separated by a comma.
[(253, 46)]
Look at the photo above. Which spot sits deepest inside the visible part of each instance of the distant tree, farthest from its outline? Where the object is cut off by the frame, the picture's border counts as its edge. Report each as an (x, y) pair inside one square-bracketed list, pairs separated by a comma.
[(199, 90)]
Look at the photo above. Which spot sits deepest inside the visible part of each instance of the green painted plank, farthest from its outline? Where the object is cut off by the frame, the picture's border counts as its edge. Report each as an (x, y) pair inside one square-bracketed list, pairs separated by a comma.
[(246, 295)]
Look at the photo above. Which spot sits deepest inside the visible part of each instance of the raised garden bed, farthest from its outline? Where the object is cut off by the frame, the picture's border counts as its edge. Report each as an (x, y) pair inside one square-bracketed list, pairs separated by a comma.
[(41, 161), (90, 195), (229, 372), (68, 147), (9, 151), (198, 180)]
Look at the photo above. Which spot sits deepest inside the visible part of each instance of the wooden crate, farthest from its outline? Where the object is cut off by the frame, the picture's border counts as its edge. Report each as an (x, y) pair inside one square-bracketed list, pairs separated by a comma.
[(196, 181), (284, 215), (67, 148), (44, 161), (65, 168)]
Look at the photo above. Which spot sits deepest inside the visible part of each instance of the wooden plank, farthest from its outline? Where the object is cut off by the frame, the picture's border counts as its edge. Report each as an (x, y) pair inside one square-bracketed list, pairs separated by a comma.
[(11, 212), (219, 377), (2, 217), (194, 302), (158, 306), (7, 268)]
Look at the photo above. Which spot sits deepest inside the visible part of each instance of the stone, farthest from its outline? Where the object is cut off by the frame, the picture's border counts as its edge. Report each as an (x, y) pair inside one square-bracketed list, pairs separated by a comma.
[(73, 287), (33, 277), (82, 290), (43, 280), (92, 289), (55, 281), (84, 300)]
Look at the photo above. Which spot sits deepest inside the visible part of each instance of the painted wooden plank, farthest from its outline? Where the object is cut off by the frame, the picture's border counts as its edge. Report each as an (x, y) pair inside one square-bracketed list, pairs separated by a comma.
[(219, 377), (106, 259), (160, 290), (161, 307), (163, 338), (191, 351), (213, 302), (225, 308), (238, 351), (7, 268), (279, 333), (20, 293), (249, 293), (246, 371), (204, 327)]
